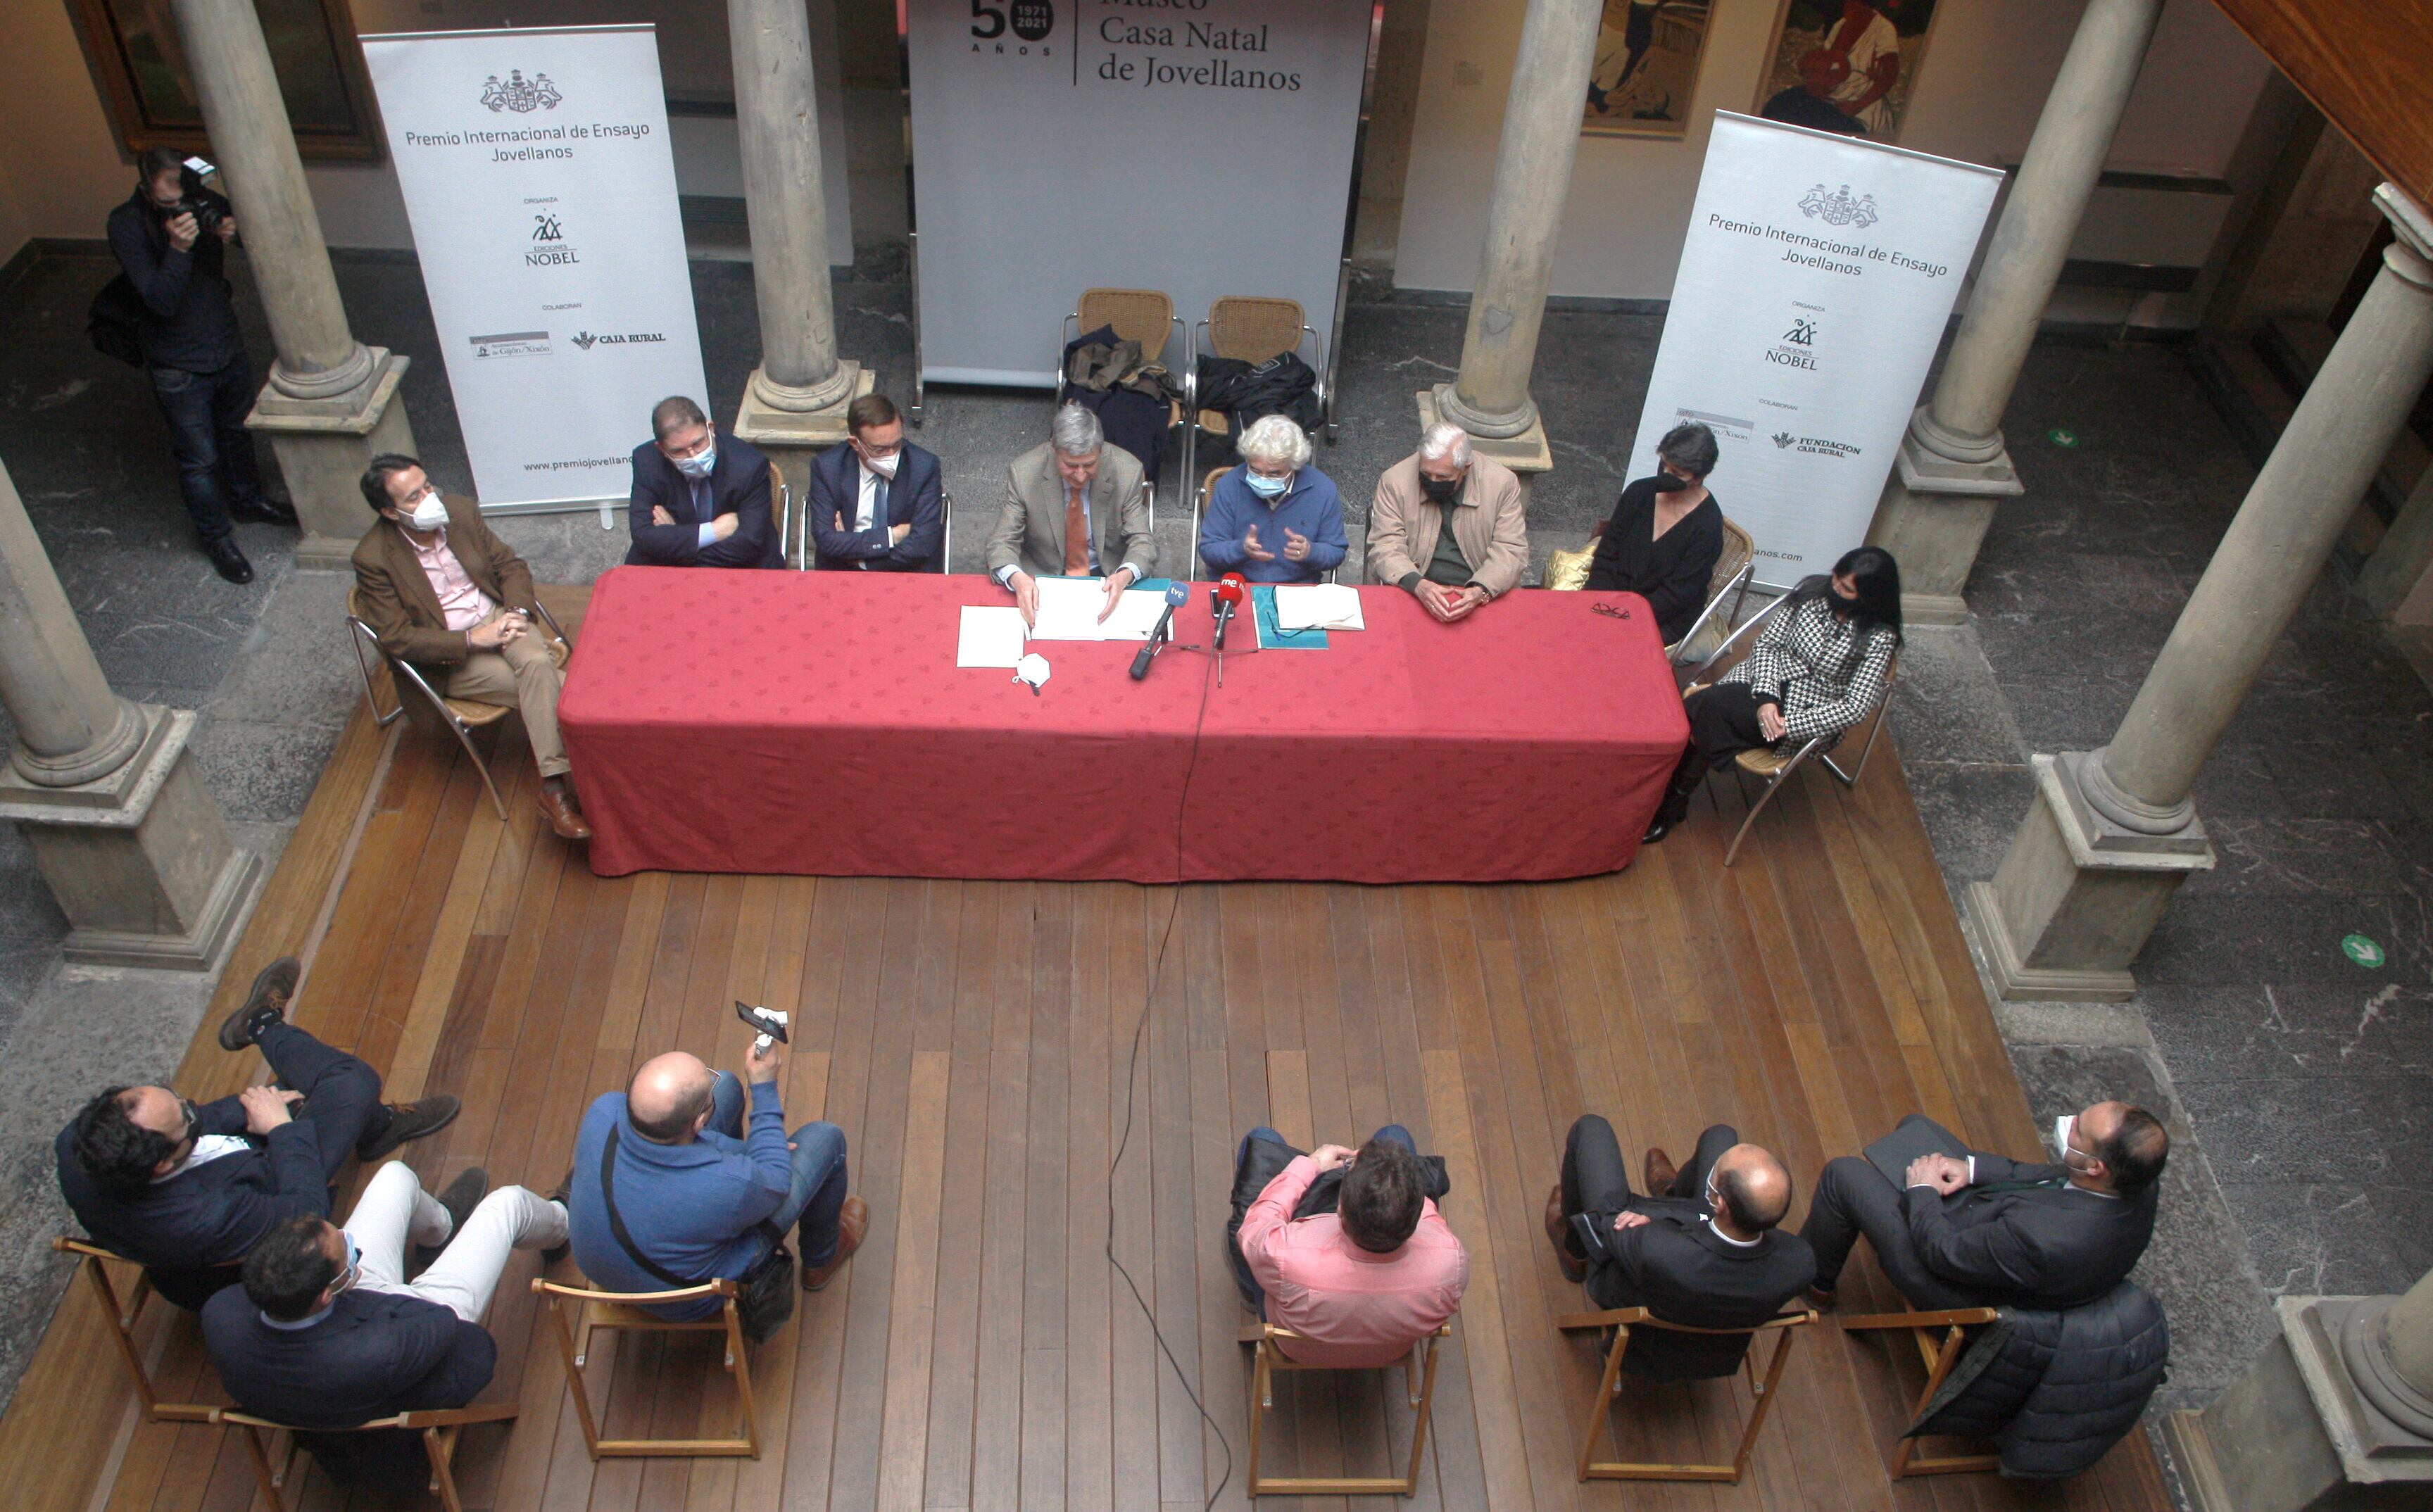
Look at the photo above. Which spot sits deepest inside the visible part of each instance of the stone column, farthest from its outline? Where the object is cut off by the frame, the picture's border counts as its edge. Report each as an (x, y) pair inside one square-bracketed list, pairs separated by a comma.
[(2398, 578), (1952, 465), (2335, 1414), (104, 790), (1489, 397), (2112, 833), (794, 404), (331, 401)]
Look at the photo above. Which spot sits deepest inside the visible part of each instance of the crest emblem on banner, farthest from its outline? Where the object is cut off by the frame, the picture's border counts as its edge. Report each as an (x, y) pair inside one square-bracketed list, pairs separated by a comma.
[(518, 94), (1839, 208)]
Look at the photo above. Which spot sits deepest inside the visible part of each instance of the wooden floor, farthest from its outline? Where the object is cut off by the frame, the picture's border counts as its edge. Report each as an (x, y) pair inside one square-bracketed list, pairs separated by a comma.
[(973, 1040)]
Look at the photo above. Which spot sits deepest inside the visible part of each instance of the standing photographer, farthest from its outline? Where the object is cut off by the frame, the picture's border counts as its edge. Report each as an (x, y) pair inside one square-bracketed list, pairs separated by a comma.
[(171, 238)]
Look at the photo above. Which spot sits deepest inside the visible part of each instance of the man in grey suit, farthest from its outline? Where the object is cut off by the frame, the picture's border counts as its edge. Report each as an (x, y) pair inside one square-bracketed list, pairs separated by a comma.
[(1074, 507)]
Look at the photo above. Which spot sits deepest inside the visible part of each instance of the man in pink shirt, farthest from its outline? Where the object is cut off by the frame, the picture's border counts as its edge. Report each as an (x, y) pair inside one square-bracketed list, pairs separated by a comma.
[(1359, 1284)]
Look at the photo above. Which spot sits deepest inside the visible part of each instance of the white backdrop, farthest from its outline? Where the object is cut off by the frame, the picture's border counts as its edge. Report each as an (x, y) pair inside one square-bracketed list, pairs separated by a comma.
[(1816, 279), (1203, 151), (538, 178)]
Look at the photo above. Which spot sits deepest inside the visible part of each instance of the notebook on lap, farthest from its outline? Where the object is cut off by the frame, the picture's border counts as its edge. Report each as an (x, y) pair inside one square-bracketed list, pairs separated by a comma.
[(1915, 1137)]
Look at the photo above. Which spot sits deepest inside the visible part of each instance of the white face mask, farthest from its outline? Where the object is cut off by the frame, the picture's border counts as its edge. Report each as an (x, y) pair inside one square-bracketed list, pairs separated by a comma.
[(884, 467), (2062, 1127), (429, 514)]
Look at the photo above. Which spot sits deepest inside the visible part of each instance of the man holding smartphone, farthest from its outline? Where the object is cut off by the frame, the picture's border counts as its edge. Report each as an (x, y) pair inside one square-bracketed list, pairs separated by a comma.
[(171, 238)]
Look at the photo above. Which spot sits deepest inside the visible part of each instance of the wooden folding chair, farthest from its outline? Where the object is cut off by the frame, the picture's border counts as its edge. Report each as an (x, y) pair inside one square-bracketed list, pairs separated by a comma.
[(1622, 1320), (1939, 1357), (438, 1427), (623, 1312), (462, 716), (1418, 1384), (122, 1316), (1727, 591)]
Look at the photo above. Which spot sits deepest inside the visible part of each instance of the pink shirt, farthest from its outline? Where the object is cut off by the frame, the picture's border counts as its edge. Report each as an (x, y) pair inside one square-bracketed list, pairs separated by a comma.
[(1354, 1310), (461, 604)]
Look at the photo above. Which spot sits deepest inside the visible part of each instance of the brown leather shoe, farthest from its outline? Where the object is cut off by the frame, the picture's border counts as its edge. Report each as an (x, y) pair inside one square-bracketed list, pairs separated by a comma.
[(564, 816), (1574, 1268), (1658, 1172), (852, 1223)]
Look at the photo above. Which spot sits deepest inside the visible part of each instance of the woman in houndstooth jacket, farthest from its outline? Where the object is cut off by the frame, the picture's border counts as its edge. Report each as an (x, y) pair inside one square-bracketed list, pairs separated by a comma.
[(1818, 668)]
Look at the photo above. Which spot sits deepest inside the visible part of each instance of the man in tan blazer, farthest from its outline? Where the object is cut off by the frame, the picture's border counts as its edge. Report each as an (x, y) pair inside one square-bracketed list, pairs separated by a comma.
[(1074, 507), (444, 594), (1488, 547)]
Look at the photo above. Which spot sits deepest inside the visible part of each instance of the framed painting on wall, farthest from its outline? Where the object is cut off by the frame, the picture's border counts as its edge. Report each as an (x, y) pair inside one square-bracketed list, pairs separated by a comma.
[(1846, 65), (136, 54), (1646, 70)]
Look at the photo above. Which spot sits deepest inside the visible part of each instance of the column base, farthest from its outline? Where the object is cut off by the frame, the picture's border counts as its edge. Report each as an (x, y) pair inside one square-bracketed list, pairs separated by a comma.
[(791, 438), (1527, 454), (140, 861), (2077, 897), (323, 446), (2293, 1434), (1932, 517)]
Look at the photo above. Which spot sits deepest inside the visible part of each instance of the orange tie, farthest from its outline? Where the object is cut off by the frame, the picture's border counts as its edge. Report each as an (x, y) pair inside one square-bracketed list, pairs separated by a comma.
[(1077, 534)]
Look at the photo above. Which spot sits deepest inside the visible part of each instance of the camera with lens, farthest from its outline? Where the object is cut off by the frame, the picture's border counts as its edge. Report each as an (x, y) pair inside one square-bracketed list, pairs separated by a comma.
[(201, 198)]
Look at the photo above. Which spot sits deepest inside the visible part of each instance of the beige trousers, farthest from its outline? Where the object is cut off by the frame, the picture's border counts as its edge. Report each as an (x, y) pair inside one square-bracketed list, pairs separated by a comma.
[(523, 677)]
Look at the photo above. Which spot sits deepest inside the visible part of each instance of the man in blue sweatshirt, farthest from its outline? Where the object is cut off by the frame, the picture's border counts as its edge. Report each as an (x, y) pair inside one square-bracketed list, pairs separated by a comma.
[(1275, 519), (703, 1189)]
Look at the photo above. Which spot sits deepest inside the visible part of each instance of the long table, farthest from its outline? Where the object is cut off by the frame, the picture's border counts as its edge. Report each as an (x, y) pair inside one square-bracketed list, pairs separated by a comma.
[(816, 723)]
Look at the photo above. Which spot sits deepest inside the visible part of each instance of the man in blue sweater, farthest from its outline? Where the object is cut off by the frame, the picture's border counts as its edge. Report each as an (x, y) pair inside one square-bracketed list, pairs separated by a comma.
[(703, 1190), (1275, 519)]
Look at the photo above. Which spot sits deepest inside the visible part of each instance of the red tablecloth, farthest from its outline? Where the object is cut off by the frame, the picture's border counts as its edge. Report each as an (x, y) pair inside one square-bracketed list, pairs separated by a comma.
[(816, 723)]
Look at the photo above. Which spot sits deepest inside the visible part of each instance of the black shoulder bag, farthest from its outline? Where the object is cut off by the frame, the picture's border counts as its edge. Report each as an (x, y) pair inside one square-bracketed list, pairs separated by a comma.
[(764, 1294)]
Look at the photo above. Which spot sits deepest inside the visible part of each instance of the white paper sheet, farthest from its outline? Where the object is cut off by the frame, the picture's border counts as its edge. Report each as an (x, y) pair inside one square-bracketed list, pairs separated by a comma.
[(989, 638), (1317, 606), (1068, 610)]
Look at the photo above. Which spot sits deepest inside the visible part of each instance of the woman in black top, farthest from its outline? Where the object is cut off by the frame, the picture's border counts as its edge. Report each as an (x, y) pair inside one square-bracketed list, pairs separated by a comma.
[(1666, 532)]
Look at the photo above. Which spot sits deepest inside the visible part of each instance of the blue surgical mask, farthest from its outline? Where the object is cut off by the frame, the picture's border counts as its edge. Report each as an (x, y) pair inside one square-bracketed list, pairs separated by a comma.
[(699, 465), (1264, 486)]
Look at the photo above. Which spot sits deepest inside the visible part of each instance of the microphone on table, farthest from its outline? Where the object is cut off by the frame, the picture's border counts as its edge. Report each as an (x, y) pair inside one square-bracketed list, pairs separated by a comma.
[(1177, 594), (1227, 596)]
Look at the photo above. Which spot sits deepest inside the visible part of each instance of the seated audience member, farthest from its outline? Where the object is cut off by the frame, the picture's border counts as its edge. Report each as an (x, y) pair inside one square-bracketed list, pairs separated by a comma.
[(701, 496), (186, 1191), (1447, 526), (1362, 1284), (1700, 1249), (1666, 533), (876, 503), (1984, 1231), (1275, 519), (1818, 668), (703, 1189), (327, 1331), (441, 591), (1075, 506)]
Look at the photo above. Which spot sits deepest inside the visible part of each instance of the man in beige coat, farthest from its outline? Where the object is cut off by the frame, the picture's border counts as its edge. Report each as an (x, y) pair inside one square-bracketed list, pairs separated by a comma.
[(1074, 507), (1481, 558)]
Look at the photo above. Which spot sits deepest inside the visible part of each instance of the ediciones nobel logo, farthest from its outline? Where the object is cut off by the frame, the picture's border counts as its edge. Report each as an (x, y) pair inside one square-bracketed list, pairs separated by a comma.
[(546, 246), (1014, 28), (1797, 347), (518, 94)]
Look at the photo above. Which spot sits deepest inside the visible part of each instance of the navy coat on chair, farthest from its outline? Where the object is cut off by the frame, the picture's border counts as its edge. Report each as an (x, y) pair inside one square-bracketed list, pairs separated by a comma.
[(739, 485), (914, 497)]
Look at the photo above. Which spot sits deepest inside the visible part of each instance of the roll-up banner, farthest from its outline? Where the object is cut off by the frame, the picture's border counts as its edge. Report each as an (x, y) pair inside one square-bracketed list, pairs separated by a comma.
[(1816, 279), (542, 194), (1201, 149)]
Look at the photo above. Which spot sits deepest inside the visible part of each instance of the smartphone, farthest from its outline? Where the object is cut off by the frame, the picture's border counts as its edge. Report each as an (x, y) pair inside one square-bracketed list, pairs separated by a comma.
[(766, 1023)]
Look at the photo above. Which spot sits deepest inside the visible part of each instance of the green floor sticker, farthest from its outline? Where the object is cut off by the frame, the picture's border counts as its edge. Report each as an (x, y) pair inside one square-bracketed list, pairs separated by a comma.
[(2361, 950), (2061, 439)]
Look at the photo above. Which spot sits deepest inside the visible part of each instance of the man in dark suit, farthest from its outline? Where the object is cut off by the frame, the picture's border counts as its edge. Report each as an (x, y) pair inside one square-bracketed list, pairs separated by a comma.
[(877, 504), (1983, 1230), (1702, 1248), (186, 1191), (325, 1331), (443, 592), (701, 496)]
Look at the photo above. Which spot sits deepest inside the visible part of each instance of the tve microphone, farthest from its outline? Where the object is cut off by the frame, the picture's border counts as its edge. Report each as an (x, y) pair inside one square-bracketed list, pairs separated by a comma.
[(1177, 594), (1228, 593)]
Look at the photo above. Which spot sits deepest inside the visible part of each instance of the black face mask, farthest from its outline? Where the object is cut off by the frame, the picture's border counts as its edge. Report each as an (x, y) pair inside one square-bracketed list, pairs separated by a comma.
[(1839, 605), (1443, 490), (1667, 483)]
